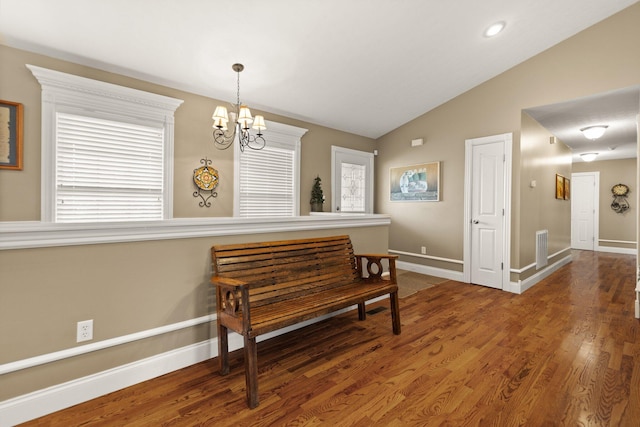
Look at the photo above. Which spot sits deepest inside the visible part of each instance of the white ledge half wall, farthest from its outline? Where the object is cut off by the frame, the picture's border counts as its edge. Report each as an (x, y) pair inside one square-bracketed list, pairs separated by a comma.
[(35, 234)]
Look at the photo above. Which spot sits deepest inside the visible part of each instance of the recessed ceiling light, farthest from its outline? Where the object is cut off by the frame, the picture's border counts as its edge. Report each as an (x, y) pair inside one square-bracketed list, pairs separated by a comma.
[(494, 29)]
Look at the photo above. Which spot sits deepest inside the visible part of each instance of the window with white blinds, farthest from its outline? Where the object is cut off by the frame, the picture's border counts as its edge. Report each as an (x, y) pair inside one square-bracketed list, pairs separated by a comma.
[(107, 170), (267, 182), (107, 151)]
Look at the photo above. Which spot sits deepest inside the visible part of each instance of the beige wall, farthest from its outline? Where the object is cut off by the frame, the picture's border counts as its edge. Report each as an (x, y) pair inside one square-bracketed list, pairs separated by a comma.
[(126, 287), (596, 60), (615, 226), (20, 190), (541, 161)]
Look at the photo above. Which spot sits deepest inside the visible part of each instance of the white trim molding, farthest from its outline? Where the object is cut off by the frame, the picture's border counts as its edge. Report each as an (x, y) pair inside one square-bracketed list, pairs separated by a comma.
[(101, 345), (435, 258), (35, 234), (533, 264), (431, 271), (55, 398), (618, 249), (522, 285)]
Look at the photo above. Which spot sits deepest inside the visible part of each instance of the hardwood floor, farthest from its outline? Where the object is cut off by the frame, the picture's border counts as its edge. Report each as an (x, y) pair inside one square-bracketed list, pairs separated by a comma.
[(564, 353)]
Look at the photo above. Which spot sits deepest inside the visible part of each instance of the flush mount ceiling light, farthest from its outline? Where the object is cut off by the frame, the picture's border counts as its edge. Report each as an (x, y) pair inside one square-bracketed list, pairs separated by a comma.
[(240, 121), (594, 132), (589, 157), (494, 29)]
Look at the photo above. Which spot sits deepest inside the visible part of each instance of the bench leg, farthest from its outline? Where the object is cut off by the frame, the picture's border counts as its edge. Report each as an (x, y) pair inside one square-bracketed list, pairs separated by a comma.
[(395, 312), (251, 371), (362, 314), (223, 349)]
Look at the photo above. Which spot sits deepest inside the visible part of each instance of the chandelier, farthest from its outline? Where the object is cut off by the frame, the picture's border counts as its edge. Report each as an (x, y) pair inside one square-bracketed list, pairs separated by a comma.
[(224, 133)]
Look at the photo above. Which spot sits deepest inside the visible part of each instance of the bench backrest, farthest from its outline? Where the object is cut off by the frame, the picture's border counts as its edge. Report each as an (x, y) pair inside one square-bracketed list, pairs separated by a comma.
[(288, 268)]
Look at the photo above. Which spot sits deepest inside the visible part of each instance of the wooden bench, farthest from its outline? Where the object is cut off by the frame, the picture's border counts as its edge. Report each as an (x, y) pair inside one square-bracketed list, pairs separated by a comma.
[(261, 287)]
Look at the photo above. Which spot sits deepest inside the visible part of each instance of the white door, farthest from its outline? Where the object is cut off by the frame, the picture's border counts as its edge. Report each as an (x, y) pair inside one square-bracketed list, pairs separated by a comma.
[(487, 190), (584, 194), (352, 183)]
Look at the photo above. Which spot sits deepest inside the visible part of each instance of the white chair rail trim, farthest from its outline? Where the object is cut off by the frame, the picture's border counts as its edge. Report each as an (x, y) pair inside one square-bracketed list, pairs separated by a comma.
[(42, 402)]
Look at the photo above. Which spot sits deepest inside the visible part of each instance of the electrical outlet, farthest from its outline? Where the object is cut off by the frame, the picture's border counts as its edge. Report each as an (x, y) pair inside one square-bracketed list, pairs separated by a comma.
[(423, 250), (84, 331)]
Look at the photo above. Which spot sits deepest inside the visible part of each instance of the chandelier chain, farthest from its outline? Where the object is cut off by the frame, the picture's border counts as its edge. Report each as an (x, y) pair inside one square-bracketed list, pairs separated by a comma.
[(238, 91)]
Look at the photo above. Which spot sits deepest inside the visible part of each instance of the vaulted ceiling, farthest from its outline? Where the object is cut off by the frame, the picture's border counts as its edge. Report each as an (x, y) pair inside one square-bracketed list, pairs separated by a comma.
[(361, 66)]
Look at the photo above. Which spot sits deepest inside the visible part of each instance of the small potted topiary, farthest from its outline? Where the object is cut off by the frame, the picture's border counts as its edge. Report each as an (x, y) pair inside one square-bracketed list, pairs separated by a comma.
[(317, 197)]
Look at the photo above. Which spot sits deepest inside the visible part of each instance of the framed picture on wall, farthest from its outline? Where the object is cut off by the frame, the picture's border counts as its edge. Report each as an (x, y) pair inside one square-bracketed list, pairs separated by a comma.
[(567, 188), (415, 183), (10, 135), (559, 186)]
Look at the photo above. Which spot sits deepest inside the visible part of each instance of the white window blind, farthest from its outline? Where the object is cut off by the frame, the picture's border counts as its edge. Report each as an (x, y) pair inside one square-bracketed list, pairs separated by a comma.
[(267, 182), (107, 170)]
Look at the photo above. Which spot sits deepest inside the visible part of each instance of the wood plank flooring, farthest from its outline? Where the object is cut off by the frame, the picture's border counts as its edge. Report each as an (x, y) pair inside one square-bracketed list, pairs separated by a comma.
[(565, 353)]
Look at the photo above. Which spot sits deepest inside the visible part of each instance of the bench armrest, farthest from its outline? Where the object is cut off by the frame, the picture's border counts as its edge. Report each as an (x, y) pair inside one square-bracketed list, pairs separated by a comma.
[(376, 259), (228, 282), (232, 298)]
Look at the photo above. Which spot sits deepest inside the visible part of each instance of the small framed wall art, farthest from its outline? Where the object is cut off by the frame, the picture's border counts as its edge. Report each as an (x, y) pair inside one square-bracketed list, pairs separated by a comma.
[(563, 187), (559, 186), (417, 183), (10, 135)]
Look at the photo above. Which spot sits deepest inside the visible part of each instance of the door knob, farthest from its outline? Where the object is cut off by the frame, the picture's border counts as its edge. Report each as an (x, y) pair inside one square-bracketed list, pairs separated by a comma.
[(475, 221)]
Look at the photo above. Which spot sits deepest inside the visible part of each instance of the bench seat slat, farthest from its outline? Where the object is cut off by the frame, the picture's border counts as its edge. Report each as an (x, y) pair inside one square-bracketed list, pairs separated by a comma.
[(281, 314)]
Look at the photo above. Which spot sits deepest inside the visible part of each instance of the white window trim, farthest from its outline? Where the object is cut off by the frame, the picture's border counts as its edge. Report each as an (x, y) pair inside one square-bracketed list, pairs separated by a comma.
[(335, 151), (70, 93), (278, 133)]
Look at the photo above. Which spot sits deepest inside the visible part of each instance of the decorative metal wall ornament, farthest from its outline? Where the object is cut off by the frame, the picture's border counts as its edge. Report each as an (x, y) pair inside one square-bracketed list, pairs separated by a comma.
[(620, 203), (206, 179)]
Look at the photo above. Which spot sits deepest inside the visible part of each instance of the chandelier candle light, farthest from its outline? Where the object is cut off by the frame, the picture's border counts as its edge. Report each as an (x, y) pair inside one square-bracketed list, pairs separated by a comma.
[(240, 121)]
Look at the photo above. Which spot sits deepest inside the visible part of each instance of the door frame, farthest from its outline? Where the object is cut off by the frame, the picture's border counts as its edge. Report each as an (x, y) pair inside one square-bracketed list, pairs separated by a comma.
[(596, 206), (507, 141)]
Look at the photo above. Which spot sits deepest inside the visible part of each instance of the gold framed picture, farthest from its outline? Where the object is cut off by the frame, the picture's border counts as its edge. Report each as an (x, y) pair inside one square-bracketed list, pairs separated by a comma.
[(559, 186), (10, 135)]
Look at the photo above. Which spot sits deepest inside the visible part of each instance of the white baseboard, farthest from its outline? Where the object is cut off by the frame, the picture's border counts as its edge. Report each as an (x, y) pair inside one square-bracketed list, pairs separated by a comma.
[(522, 285), (513, 287), (431, 271), (55, 398), (615, 250), (42, 402)]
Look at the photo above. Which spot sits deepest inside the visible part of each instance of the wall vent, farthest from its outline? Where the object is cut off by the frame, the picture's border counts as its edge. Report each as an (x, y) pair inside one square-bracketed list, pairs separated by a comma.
[(542, 248)]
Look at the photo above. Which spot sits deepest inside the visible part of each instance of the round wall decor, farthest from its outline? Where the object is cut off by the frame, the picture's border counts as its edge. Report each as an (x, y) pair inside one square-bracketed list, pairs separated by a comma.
[(620, 203), (206, 179)]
